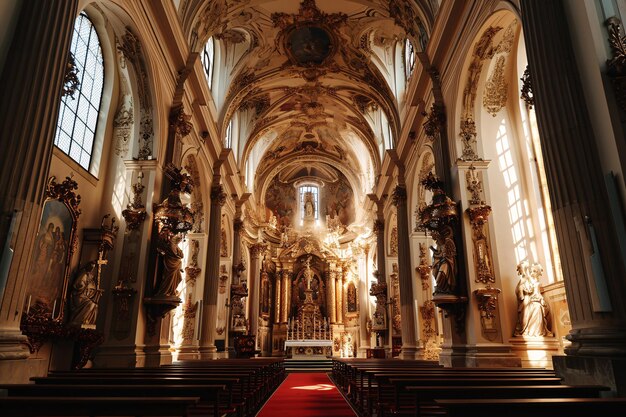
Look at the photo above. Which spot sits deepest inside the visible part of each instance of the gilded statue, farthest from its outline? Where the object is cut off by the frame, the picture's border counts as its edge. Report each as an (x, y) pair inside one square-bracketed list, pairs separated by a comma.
[(444, 261), (172, 257), (85, 296), (533, 313), (308, 272)]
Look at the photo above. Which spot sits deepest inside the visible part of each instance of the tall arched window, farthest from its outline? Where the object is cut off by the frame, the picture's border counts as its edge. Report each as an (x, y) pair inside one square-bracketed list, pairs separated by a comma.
[(314, 196), (409, 58), (207, 61), (78, 114), (228, 137)]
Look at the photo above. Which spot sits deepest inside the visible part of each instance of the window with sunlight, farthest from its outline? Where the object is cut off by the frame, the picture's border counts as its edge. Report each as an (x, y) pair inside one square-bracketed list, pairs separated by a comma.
[(78, 114), (314, 190), (206, 57), (409, 58)]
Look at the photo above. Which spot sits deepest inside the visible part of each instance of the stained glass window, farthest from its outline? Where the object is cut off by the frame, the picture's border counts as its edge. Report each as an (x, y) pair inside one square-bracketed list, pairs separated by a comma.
[(78, 115)]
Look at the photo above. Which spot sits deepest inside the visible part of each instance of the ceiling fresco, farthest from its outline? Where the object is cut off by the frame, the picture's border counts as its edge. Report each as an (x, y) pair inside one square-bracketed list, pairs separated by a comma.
[(308, 83)]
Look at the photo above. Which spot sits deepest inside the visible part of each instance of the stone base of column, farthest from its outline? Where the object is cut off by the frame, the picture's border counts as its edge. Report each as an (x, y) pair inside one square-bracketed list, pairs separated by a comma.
[(126, 356), (157, 355), (187, 352), (207, 352), (583, 370), (19, 371), (535, 352), (479, 356), (411, 352), (597, 341), (13, 345)]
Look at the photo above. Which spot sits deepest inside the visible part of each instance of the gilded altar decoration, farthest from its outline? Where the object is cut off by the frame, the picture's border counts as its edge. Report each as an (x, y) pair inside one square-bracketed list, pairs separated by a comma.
[(616, 65), (237, 293), (192, 271), (190, 311), (180, 122), (533, 312), (424, 269), (393, 242), (429, 330), (488, 305), (478, 213), (351, 298)]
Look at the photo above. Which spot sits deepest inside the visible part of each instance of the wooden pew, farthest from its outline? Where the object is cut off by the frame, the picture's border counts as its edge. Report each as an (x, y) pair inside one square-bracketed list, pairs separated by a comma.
[(209, 395), (535, 407), (97, 406)]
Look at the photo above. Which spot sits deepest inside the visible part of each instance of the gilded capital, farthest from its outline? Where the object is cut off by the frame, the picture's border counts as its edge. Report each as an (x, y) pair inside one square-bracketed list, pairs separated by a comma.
[(399, 195), (257, 249), (218, 195)]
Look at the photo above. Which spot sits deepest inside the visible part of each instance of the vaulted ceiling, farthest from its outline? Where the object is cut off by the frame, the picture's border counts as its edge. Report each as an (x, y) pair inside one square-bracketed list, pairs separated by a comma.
[(309, 82)]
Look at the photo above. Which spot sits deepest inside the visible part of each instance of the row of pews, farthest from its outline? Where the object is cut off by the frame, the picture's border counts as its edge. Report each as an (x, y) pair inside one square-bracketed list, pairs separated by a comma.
[(218, 388), (391, 387)]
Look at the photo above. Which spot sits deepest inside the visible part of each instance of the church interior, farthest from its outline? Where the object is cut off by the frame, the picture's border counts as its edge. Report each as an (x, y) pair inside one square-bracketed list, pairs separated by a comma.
[(367, 190)]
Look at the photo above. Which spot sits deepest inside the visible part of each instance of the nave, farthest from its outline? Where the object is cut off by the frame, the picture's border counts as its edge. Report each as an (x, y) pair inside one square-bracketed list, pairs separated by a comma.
[(260, 387)]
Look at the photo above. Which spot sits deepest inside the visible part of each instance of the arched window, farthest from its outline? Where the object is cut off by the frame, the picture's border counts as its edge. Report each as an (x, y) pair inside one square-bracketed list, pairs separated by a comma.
[(409, 58), (228, 137), (305, 196), (207, 61), (78, 114)]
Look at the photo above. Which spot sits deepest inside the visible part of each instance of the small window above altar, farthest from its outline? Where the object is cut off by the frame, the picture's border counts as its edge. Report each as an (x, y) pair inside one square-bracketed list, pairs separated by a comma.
[(309, 202)]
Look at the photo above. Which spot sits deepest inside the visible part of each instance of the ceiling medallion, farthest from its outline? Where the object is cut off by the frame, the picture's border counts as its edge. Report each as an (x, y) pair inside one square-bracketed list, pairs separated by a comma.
[(307, 37)]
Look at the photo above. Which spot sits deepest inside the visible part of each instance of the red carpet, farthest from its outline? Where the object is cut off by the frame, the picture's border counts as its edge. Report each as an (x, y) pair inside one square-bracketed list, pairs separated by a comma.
[(306, 395)]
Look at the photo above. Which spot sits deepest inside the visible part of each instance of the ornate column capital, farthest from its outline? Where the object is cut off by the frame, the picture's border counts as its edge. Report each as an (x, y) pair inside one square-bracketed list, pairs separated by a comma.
[(435, 120), (238, 225), (218, 195), (257, 249), (179, 121), (399, 195), (379, 226)]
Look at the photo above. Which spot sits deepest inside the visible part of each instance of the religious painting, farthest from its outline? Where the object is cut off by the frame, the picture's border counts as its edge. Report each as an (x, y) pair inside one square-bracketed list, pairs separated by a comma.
[(309, 45), (351, 298), (338, 199), (54, 246), (266, 292), (280, 199)]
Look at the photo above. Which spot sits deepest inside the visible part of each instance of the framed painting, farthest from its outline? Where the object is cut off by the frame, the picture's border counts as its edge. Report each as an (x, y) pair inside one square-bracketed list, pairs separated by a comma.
[(52, 254)]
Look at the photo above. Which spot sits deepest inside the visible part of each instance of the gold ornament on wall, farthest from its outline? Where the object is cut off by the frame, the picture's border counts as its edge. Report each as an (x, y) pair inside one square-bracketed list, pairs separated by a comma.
[(495, 95)]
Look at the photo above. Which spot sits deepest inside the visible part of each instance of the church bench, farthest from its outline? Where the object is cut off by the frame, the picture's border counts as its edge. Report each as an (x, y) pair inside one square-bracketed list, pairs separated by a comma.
[(209, 395), (97, 406), (426, 395), (537, 407)]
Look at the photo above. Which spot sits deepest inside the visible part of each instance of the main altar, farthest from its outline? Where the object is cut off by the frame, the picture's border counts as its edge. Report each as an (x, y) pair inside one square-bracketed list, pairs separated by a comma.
[(309, 335)]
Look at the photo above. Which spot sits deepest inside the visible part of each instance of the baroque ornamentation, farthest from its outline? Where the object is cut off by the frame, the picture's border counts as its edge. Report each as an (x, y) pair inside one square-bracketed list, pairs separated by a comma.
[(474, 186), (71, 83), (180, 122), (398, 196), (308, 13), (526, 91), (393, 242), (435, 121), (218, 196), (616, 65), (135, 212), (468, 138), (123, 124), (423, 269), (494, 98), (488, 305)]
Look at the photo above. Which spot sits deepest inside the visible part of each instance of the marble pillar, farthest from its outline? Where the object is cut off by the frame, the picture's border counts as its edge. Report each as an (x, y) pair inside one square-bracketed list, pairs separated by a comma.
[(593, 267), (31, 85), (379, 230), (211, 277), (286, 293), (256, 251), (407, 309)]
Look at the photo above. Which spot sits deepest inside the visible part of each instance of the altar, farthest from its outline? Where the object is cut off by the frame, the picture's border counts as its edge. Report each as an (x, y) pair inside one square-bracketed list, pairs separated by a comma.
[(309, 335)]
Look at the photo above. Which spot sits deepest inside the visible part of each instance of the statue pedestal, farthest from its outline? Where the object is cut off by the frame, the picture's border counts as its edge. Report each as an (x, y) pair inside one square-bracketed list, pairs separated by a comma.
[(535, 352)]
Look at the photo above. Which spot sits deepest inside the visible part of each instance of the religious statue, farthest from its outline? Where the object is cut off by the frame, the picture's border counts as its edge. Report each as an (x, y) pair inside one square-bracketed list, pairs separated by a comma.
[(308, 272), (309, 208), (172, 257), (85, 297), (533, 313), (444, 261)]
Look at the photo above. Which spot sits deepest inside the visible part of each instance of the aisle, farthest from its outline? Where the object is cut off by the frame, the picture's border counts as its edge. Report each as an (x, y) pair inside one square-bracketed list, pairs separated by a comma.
[(306, 395)]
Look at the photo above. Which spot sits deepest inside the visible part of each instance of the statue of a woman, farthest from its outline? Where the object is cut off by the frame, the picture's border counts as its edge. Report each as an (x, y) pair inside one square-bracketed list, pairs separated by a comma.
[(172, 257), (85, 297), (533, 314), (444, 261)]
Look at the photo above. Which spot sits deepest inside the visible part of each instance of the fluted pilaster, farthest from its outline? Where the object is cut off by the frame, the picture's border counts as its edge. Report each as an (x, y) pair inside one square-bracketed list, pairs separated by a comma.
[(407, 310), (592, 266), (211, 277), (31, 83)]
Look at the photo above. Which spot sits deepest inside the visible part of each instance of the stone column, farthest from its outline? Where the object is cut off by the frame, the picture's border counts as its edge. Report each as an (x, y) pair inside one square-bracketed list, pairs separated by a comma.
[(593, 267), (211, 277), (254, 283), (332, 308), (379, 229), (31, 84), (407, 310), (237, 265), (286, 295), (339, 295)]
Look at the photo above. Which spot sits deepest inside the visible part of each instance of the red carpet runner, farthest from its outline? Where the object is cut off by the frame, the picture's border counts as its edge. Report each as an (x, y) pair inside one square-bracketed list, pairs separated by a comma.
[(306, 395)]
